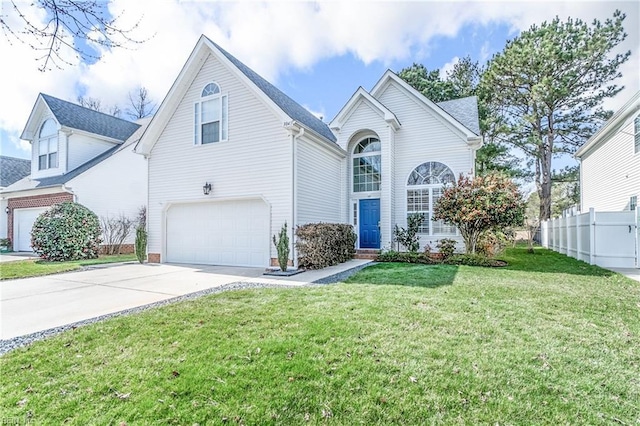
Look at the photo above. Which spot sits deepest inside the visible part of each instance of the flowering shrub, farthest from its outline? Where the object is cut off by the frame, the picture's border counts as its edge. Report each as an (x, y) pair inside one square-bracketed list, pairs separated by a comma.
[(66, 231), (477, 205)]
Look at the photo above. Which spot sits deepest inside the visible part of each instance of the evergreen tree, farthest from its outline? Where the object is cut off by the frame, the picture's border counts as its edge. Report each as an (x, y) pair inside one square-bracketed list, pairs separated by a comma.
[(546, 89)]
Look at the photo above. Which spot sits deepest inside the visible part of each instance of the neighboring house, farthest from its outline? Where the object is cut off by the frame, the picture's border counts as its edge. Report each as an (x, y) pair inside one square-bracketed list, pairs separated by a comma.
[(610, 162), (11, 170), (268, 161), (78, 154)]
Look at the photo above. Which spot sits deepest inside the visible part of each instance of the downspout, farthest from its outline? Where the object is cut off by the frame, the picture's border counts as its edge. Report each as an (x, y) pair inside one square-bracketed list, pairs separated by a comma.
[(294, 193)]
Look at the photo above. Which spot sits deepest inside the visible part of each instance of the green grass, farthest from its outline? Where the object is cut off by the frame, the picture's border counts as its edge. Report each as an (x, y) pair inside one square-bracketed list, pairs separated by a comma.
[(35, 268), (547, 340)]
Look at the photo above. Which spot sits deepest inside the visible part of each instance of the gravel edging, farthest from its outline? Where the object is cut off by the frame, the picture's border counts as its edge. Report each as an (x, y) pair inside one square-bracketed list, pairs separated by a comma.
[(7, 345)]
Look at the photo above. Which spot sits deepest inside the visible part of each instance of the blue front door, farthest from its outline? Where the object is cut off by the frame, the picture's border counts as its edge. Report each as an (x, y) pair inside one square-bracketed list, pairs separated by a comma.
[(369, 223)]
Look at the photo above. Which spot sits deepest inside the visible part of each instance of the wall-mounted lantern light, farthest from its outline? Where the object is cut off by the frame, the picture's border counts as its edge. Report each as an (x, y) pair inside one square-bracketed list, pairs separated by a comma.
[(206, 188), (6, 210)]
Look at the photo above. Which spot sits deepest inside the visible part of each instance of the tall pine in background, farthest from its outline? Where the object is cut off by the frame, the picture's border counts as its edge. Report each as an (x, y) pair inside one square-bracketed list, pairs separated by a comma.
[(544, 91)]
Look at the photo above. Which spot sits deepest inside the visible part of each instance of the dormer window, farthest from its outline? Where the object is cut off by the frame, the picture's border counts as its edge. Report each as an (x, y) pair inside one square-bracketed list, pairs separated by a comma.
[(210, 116), (48, 145)]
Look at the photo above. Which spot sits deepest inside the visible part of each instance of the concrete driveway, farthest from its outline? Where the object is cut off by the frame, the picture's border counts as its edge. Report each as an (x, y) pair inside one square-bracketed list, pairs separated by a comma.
[(35, 304), (32, 305)]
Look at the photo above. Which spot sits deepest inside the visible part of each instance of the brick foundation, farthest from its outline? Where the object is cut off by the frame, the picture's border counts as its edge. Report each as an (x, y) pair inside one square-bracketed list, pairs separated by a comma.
[(124, 249), (153, 257), (274, 262), (45, 200)]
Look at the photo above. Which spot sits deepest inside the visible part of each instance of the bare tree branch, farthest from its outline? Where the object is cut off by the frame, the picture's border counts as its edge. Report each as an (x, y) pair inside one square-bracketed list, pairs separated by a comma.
[(141, 104), (68, 22)]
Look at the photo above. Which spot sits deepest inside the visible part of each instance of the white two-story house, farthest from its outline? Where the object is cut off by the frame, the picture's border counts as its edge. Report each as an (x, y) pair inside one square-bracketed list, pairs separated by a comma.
[(78, 154), (232, 158)]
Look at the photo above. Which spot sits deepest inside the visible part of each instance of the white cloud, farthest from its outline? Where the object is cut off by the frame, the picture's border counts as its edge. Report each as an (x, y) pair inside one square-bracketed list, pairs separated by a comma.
[(272, 38), (448, 67)]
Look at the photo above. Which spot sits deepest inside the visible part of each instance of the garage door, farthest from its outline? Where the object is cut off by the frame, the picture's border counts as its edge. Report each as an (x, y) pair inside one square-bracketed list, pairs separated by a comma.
[(23, 220), (219, 233)]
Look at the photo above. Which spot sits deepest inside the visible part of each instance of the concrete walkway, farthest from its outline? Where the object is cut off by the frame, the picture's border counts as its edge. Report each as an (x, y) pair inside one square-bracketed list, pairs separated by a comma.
[(633, 273), (12, 257), (32, 305)]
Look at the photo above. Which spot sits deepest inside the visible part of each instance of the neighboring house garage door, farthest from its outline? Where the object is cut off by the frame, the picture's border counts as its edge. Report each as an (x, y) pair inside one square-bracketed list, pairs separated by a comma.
[(219, 233), (23, 220)]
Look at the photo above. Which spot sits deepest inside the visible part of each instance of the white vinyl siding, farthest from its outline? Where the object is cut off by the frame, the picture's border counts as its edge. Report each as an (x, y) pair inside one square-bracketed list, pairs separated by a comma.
[(254, 162), (318, 180), (83, 148), (610, 173), (423, 137), (116, 186)]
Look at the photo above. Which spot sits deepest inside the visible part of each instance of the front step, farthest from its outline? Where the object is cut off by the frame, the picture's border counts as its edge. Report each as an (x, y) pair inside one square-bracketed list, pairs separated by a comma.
[(366, 254)]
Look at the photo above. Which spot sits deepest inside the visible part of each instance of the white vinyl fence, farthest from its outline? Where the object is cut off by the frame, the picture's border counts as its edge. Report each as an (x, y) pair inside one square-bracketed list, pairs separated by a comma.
[(607, 239)]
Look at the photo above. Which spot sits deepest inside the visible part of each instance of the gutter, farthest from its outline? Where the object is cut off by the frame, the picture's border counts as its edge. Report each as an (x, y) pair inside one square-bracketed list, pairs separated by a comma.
[(292, 127)]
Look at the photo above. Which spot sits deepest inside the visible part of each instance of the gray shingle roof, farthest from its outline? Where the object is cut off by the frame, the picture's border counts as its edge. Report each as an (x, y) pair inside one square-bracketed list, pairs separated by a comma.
[(62, 179), (13, 169), (77, 117), (465, 110), (288, 105)]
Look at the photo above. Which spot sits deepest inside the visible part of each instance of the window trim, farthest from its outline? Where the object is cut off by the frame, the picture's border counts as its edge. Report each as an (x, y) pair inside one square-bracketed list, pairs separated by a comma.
[(355, 156), (48, 139), (223, 116), (430, 187)]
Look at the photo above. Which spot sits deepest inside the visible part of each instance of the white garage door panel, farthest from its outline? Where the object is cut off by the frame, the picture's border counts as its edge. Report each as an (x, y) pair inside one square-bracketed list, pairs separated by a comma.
[(23, 220), (219, 233)]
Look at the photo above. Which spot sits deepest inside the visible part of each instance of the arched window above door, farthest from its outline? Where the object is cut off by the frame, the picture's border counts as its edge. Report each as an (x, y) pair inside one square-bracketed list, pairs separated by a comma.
[(367, 165)]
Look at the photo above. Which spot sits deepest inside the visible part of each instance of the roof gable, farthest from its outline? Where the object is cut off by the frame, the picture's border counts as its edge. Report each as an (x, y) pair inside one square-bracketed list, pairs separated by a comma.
[(74, 116), (460, 107), (618, 120), (289, 109), (284, 102), (13, 169), (358, 97)]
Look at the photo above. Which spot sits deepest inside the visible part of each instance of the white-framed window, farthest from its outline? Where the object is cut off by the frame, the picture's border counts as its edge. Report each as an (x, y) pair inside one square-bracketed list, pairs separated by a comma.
[(636, 132), (48, 145), (633, 202), (367, 165), (424, 187), (210, 116)]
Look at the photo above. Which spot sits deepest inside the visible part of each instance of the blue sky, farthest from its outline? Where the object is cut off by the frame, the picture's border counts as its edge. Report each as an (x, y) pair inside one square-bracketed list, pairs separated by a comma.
[(318, 53)]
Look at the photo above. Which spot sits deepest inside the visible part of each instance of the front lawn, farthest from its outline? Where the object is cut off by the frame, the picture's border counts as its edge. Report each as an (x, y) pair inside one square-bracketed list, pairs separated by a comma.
[(36, 267), (547, 340)]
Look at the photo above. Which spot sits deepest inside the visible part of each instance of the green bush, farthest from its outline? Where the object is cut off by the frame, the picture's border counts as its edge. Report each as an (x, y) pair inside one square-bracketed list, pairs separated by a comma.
[(66, 231), (324, 244), (492, 242), (409, 237), (282, 246), (446, 247), (141, 235)]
